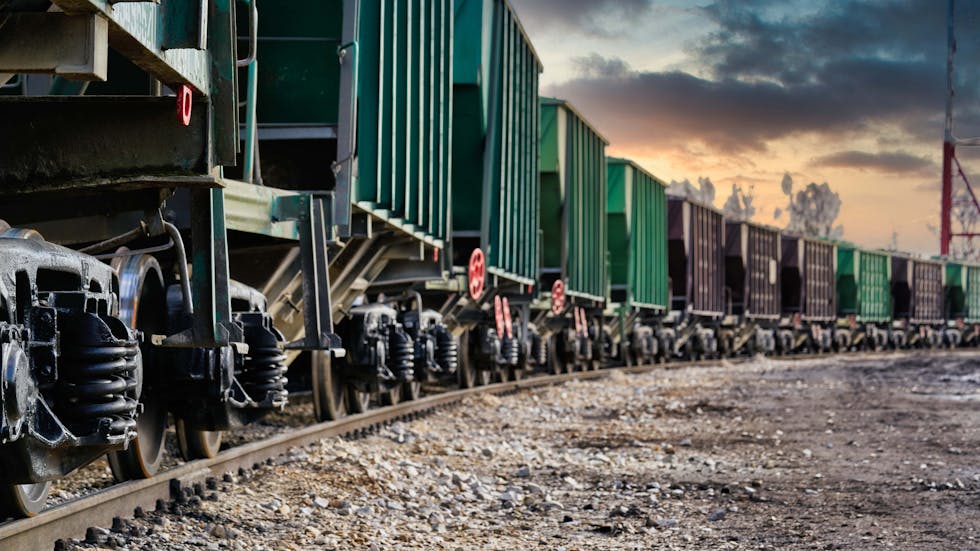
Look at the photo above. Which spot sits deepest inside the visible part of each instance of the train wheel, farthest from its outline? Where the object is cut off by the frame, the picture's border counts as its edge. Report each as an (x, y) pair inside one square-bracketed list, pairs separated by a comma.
[(515, 372), (143, 457), (485, 377), (391, 397), (554, 357), (358, 401), (143, 306), (411, 391), (23, 500), (328, 387), (467, 369), (196, 443)]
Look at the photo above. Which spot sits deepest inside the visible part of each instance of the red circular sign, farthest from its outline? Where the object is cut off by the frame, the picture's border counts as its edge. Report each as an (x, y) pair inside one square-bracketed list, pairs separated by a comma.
[(477, 274), (185, 101), (558, 297)]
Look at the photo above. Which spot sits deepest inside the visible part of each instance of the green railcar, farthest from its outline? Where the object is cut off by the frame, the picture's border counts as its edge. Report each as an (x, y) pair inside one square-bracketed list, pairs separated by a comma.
[(963, 291), (356, 97), (863, 284), (573, 201), (636, 212), (495, 141)]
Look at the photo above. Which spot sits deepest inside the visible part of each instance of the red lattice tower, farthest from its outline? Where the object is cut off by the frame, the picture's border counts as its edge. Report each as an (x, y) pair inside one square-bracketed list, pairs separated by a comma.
[(950, 142)]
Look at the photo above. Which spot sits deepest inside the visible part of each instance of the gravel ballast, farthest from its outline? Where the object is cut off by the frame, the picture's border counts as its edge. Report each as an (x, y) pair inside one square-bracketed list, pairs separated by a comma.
[(844, 453)]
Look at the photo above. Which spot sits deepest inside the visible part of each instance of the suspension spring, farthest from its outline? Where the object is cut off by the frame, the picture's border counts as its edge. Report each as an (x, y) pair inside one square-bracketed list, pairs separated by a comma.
[(99, 382), (264, 370), (539, 349), (401, 353), (510, 349), (447, 350)]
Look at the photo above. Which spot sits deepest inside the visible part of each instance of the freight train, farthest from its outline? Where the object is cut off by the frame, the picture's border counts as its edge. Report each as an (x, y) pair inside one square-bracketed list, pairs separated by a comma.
[(370, 195)]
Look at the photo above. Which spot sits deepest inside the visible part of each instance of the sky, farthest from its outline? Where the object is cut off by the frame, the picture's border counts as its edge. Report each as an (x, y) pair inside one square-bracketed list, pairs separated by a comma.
[(847, 92)]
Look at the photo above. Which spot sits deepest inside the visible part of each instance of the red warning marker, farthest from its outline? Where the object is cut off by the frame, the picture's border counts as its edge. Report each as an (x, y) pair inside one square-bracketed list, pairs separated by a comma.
[(477, 274), (185, 101), (558, 297)]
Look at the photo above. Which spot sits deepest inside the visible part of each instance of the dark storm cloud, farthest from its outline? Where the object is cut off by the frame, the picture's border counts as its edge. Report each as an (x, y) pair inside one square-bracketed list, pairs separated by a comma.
[(663, 108), (770, 73), (596, 17), (892, 162)]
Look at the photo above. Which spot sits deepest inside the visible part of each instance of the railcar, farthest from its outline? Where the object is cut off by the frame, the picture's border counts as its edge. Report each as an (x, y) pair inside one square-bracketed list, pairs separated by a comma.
[(696, 250), (573, 233), (639, 296), (918, 302), (495, 196), (808, 284), (355, 110), (752, 292), (864, 300), (963, 302), (114, 137)]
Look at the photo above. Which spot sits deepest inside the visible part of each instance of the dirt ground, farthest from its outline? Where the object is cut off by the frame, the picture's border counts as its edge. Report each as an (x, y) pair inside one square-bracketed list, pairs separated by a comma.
[(851, 454)]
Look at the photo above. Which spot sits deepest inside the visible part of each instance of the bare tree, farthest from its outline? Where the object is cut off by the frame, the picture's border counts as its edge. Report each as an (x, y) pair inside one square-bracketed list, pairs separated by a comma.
[(740, 205), (703, 192), (812, 210)]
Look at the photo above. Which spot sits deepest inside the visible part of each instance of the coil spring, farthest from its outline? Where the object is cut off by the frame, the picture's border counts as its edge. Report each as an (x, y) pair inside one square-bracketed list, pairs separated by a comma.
[(99, 383), (401, 353), (447, 350), (510, 349), (539, 349), (263, 370)]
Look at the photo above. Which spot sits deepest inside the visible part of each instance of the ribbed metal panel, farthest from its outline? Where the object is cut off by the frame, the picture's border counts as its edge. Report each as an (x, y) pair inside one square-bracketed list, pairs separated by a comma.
[(863, 284), (972, 292), (573, 157), (808, 278), (495, 139), (696, 249), (752, 270), (637, 228), (393, 140), (917, 289)]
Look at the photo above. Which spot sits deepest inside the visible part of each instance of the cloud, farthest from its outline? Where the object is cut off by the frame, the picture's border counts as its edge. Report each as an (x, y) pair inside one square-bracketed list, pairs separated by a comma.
[(891, 162), (732, 116), (591, 17), (772, 71)]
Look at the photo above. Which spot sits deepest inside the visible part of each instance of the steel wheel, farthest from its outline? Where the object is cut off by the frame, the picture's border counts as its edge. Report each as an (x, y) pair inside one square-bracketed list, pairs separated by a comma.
[(196, 443), (484, 377), (143, 306), (516, 372), (411, 391), (23, 500), (554, 356), (328, 387), (143, 456), (467, 370), (391, 397), (358, 401)]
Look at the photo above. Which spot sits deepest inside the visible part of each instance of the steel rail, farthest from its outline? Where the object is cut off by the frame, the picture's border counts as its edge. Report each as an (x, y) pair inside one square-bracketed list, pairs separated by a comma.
[(73, 518)]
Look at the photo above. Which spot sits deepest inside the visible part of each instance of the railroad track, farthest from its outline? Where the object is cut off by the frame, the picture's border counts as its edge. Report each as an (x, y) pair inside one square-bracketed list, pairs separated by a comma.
[(72, 518)]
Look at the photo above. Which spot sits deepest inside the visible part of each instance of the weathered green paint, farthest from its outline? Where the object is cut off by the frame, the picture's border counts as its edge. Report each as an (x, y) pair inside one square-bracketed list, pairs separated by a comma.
[(963, 291), (573, 173), (636, 212), (863, 284), (138, 34), (260, 209), (495, 137), (402, 54)]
